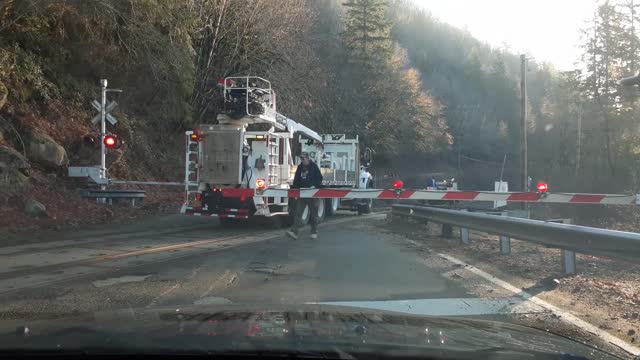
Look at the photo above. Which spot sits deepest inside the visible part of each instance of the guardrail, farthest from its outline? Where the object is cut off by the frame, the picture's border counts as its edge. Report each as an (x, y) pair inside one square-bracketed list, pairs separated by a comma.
[(569, 238), (134, 196), (134, 182)]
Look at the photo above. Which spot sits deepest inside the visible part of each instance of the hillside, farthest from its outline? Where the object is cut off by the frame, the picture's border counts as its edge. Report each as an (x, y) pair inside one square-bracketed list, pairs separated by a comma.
[(427, 97), (167, 57)]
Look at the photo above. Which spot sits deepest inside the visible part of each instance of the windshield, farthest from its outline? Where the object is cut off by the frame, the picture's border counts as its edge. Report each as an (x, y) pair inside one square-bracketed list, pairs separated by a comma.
[(435, 177)]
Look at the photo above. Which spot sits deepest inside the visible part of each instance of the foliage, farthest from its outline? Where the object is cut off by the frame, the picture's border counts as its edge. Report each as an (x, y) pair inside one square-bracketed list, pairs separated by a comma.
[(367, 32)]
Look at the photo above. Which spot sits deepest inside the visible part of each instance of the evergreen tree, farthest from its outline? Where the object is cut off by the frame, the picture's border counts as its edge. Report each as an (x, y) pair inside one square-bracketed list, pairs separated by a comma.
[(367, 32)]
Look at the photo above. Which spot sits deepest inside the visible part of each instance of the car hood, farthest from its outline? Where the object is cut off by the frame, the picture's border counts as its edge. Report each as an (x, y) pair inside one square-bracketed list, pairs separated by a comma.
[(308, 327)]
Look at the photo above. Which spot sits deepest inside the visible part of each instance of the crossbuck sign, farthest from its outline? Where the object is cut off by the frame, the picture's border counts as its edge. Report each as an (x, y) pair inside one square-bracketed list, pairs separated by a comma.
[(108, 108)]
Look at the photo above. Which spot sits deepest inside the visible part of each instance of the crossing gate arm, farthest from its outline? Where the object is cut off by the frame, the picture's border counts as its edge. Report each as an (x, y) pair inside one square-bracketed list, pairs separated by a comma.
[(442, 195)]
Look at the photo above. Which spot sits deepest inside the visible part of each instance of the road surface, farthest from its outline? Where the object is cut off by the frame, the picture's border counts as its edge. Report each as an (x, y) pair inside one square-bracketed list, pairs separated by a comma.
[(203, 262), (184, 261)]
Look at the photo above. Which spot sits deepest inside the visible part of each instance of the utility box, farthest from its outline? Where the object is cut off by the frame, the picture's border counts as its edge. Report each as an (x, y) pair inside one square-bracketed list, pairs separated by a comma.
[(221, 155), (91, 172)]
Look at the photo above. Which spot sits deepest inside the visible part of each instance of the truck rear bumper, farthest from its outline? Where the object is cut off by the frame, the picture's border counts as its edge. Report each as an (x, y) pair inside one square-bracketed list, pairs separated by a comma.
[(221, 216), (225, 213)]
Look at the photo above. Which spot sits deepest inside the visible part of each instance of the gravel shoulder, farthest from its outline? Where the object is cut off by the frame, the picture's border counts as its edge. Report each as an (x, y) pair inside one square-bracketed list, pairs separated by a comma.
[(604, 292)]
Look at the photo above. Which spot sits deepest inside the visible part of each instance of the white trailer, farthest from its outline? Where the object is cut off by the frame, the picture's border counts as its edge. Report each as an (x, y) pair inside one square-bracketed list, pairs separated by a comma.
[(254, 147), (342, 166)]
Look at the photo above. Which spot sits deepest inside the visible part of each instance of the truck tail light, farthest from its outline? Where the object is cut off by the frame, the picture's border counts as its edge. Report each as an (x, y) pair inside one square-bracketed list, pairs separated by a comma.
[(261, 183)]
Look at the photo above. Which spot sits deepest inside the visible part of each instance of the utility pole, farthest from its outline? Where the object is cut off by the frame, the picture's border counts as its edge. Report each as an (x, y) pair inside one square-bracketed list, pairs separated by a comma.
[(579, 140), (523, 114)]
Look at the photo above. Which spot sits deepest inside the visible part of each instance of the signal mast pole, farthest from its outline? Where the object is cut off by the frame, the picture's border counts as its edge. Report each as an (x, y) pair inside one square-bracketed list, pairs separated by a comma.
[(103, 131)]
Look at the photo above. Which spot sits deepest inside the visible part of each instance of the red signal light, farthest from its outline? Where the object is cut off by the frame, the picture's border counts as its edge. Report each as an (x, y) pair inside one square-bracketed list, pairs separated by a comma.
[(111, 142), (198, 196), (543, 187), (398, 184)]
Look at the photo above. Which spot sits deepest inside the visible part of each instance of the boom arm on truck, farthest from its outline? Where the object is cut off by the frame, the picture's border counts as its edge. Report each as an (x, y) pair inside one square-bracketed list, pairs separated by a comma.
[(251, 100)]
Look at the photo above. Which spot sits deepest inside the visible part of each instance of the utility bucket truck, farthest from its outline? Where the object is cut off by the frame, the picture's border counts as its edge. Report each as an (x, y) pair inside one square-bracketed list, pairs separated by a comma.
[(252, 146)]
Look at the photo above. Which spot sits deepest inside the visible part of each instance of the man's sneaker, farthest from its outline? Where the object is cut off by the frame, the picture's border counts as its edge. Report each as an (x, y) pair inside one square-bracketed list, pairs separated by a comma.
[(292, 235), (314, 236)]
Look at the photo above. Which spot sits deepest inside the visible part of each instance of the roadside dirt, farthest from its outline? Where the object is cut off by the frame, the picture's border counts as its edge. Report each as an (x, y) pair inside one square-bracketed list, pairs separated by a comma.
[(605, 292), (68, 211)]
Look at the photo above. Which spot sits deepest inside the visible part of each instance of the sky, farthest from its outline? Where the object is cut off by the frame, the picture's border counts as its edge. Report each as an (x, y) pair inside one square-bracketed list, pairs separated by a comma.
[(548, 30)]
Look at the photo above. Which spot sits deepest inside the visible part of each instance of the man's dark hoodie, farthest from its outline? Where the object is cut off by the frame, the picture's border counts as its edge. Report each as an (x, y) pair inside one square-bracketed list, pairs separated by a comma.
[(307, 176)]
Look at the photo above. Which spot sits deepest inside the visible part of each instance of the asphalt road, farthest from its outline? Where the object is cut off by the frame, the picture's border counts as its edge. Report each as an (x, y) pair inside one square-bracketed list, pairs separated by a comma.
[(181, 261), (240, 265), (195, 261)]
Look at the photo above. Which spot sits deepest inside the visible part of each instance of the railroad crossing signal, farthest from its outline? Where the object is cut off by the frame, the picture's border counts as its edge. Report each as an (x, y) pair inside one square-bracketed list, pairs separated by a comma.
[(107, 141), (110, 106)]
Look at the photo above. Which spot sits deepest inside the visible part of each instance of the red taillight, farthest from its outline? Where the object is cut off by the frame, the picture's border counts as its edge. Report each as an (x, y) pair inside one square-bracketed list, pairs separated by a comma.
[(243, 199), (398, 184), (543, 187), (261, 183), (196, 135)]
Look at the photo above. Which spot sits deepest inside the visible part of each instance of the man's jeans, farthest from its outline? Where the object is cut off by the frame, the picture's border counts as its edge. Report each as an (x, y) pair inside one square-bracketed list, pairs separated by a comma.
[(313, 213)]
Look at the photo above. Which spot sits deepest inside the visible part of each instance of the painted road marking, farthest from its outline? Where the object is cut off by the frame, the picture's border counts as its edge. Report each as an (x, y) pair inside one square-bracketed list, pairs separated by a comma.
[(119, 280), (15, 250), (449, 307), (526, 297)]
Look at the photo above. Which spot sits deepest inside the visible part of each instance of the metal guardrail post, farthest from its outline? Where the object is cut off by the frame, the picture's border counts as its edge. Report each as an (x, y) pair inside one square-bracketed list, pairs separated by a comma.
[(568, 256), (568, 261), (447, 231), (505, 241), (505, 245), (464, 234)]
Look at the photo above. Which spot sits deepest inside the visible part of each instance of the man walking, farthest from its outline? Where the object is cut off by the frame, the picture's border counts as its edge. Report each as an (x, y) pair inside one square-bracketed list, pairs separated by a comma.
[(308, 175)]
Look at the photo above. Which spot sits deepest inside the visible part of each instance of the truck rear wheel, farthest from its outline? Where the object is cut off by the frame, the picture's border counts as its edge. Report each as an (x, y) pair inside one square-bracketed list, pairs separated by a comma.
[(365, 208), (322, 210), (331, 206), (305, 215)]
